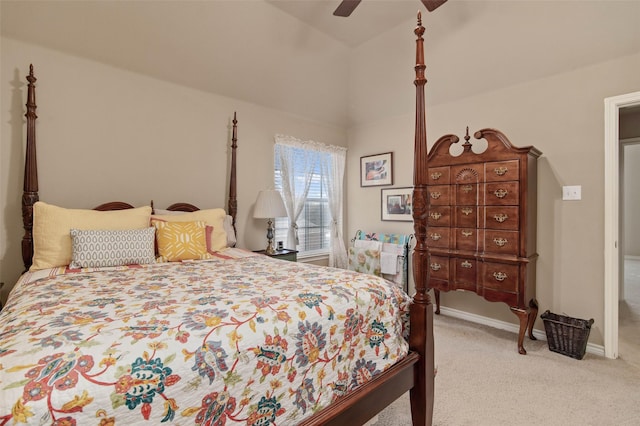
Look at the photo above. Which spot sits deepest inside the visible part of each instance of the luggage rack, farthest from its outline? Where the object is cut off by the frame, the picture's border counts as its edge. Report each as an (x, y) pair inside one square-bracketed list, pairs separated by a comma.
[(370, 252)]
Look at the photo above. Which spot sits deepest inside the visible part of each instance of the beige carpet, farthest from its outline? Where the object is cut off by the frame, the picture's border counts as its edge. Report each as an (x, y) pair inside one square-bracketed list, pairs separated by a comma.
[(482, 380)]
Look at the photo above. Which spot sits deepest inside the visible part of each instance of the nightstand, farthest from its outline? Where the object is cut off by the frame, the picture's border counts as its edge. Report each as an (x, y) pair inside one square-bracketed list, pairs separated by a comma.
[(284, 254)]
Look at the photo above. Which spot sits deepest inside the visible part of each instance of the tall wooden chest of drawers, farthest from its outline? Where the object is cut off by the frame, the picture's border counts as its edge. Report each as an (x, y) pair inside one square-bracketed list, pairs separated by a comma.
[(481, 224)]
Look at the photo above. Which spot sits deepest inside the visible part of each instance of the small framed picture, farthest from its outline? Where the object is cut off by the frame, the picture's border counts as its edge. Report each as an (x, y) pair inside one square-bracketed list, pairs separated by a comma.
[(397, 204), (376, 170)]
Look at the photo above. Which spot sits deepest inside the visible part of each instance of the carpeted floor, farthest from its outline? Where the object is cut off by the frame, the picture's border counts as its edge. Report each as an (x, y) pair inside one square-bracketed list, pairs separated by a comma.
[(482, 380)]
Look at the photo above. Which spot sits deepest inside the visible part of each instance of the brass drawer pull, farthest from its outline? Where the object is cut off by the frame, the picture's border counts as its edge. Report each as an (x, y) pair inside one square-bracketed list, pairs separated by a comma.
[(501, 193), (435, 195), (435, 215), (466, 264), (500, 242), (501, 171), (435, 266), (435, 237), (467, 188), (436, 175), (466, 211), (500, 217), (467, 233), (499, 276)]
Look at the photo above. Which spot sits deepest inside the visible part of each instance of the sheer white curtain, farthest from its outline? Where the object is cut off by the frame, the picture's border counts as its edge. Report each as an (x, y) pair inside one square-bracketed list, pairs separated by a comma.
[(332, 166), (294, 163), (298, 160)]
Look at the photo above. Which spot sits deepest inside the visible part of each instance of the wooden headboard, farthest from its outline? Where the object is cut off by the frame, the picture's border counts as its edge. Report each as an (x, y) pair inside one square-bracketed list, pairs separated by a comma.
[(30, 188)]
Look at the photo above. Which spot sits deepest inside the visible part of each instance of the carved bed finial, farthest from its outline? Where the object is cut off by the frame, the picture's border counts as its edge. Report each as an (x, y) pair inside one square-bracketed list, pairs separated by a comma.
[(419, 31)]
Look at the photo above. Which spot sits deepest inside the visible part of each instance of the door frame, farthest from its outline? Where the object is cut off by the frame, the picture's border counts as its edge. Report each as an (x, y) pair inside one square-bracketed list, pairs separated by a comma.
[(612, 108)]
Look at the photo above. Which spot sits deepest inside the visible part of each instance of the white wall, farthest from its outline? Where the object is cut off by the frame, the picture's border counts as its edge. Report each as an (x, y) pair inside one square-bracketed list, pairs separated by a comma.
[(107, 134), (563, 116)]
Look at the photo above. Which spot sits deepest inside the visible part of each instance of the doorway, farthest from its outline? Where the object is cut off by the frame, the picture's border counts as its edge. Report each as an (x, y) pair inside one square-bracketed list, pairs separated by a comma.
[(629, 305), (613, 262)]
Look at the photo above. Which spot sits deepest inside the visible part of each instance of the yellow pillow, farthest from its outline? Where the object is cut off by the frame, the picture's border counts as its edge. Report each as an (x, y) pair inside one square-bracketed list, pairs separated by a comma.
[(52, 226), (211, 217), (181, 241)]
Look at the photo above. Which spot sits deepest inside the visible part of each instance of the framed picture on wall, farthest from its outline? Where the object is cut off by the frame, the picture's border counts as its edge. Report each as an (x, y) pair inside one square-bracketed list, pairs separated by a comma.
[(376, 170), (397, 204)]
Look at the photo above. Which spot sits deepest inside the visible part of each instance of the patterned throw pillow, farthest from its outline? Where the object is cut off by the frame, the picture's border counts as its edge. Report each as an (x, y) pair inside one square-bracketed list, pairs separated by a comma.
[(181, 240), (98, 248), (213, 217)]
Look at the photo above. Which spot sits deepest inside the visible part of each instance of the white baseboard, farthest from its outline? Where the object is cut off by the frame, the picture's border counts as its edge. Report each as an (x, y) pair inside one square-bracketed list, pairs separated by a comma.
[(502, 325)]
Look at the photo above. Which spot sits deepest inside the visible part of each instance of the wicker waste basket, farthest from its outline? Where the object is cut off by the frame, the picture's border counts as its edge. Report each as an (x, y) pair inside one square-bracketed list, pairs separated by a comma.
[(565, 335)]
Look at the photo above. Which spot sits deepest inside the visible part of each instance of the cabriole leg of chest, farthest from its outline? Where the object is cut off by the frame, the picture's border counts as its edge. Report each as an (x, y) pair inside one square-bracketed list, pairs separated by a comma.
[(527, 318)]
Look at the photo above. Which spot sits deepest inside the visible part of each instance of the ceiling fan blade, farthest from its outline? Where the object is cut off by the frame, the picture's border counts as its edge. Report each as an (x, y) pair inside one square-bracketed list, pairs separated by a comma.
[(432, 5), (346, 7)]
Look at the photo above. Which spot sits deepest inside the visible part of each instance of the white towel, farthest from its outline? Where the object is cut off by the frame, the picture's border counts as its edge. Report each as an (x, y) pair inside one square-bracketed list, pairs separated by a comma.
[(393, 248), (388, 263), (367, 244)]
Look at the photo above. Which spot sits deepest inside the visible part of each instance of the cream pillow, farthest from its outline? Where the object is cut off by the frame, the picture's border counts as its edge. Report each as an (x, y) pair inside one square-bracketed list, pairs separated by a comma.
[(181, 240), (52, 226), (212, 217)]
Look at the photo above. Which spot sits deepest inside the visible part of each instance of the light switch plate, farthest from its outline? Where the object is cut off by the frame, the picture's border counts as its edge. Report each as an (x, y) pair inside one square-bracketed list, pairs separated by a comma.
[(573, 192)]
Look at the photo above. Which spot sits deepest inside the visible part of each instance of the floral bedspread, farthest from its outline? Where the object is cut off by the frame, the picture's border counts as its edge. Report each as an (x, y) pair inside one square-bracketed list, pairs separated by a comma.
[(244, 340)]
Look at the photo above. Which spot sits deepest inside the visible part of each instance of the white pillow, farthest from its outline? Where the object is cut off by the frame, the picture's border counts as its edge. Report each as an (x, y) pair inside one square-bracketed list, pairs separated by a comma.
[(231, 233), (99, 248)]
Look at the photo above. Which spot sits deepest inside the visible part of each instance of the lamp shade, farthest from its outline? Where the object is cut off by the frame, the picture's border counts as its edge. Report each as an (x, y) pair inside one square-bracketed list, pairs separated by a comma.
[(269, 204)]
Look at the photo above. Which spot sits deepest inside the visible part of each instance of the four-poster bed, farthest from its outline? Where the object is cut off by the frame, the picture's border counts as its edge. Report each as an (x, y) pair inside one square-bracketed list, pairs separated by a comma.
[(53, 386)]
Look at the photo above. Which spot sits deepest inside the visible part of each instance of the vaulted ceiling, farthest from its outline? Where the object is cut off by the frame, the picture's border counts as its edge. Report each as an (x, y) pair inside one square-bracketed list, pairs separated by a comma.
[(295, 56)]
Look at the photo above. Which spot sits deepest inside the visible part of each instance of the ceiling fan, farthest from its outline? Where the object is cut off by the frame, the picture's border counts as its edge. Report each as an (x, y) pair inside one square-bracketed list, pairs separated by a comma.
[(347, 6)]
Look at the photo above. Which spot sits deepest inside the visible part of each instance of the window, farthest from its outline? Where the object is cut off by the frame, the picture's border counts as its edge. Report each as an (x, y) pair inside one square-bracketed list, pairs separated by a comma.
[(315, 219)]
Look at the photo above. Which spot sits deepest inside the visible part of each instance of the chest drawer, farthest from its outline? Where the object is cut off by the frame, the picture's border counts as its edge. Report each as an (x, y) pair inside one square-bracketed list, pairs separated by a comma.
[(467, 173), (501, 171), (500, 277), (501, 217), (466, 239), (465, 274), (439, 176), (467, 194), (439, 216), (438, 236), (502, 194), (505, 242), (438, 267), (439, 195), (467, 216)]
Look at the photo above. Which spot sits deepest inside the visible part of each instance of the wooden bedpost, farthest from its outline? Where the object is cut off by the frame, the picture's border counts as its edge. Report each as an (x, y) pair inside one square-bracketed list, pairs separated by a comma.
[(233, 202), (30, 188), (421, 339)]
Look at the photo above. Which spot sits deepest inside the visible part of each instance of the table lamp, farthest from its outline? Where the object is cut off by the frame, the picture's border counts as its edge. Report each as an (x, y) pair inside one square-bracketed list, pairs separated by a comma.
[(269, 205)]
